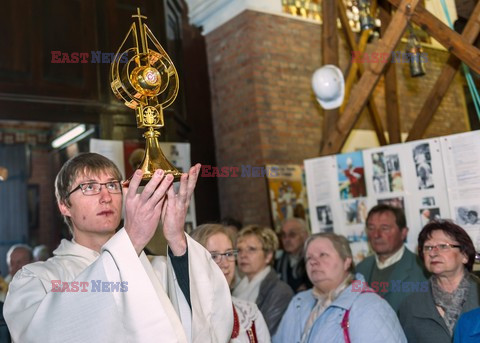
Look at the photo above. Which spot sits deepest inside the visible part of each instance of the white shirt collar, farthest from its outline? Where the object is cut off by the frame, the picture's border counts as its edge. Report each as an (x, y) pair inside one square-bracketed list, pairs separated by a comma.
[(391, 260)]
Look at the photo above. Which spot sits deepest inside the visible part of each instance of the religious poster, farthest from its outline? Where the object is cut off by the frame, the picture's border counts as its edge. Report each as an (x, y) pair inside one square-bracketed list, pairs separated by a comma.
[(287, 193)]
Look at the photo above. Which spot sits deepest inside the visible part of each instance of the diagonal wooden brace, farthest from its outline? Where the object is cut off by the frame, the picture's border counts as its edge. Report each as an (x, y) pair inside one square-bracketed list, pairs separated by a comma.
[(365, 86)]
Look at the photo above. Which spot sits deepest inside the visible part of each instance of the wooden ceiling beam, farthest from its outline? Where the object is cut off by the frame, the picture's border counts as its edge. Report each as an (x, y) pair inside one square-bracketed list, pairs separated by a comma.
[(391, 94), (434, 98), (358, 68), (329, 56), (369, 79), (450, 39)]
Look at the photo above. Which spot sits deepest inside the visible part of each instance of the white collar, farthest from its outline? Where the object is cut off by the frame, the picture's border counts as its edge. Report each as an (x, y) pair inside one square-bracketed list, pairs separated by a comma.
[(391, 260)]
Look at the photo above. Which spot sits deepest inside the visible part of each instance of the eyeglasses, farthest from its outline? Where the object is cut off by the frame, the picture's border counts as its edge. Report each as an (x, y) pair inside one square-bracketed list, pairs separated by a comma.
[(230, 255), (290, 235), (440, 247), (248, 251), (92, 188)]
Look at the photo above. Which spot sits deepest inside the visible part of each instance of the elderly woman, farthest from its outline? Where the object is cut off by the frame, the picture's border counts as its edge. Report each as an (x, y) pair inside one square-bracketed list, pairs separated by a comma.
[(449, 254), (256, 247), (249, 325), (337, 309)]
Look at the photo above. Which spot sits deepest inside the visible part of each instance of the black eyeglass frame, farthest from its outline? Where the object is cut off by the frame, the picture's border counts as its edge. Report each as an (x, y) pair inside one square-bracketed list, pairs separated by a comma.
[(99, 189)]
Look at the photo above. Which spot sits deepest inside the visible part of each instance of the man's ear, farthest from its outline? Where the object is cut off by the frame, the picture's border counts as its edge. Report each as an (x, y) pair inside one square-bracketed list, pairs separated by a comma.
[(64, 209), (404, 232)]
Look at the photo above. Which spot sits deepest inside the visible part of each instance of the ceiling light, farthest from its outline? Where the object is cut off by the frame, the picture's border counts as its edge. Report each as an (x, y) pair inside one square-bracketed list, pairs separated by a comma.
[(69, 135)]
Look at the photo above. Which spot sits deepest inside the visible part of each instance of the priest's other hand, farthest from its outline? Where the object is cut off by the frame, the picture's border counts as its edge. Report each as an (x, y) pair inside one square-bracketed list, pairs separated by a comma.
[(143, 210), (175, 211)]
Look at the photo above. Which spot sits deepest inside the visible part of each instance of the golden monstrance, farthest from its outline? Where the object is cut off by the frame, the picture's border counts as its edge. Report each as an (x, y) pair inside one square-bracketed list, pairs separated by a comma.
[(146, 81)]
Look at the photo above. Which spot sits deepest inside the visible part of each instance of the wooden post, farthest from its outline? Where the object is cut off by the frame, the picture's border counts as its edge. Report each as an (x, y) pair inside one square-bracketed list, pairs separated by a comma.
[(329, 56), (391, 94)]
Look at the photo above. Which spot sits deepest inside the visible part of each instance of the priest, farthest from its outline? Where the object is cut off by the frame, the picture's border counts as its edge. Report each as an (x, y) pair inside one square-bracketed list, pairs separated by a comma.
[(100, 286)]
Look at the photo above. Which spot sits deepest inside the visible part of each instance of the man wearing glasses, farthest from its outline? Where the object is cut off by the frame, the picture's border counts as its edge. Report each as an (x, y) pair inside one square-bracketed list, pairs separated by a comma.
[(290, 264), (393, 269), (100, 286)]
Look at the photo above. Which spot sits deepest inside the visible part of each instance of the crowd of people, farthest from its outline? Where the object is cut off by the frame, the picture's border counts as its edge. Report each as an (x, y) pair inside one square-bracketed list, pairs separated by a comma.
[(228, 282)]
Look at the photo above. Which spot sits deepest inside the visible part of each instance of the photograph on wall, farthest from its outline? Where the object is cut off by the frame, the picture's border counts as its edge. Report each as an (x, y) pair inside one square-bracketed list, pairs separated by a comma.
[(423, 165), (325, 218), (355, 211), (287, 193), (351, 180), (380, 183), (467, 215), (428, 201), (429, 214), (395, 202), (395, 180)]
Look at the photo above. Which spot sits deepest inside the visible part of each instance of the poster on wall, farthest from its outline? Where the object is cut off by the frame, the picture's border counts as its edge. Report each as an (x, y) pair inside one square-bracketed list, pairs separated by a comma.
[(343, 188), (287, 193), (409, 176), (337, 198), (462, 173)]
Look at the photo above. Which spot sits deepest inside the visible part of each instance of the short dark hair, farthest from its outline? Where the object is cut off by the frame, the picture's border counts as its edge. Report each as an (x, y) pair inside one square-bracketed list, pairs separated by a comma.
[(397, 212), (452, 230), (82, 164)]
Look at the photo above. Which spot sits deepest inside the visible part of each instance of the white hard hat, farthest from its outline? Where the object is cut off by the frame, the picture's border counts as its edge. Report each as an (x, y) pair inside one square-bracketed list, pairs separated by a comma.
[(329, 86)]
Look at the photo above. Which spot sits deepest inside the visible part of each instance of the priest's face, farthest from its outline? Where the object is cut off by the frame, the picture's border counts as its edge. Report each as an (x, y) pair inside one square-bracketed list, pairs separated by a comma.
[(218, 245), (93, 215), (252, 258)]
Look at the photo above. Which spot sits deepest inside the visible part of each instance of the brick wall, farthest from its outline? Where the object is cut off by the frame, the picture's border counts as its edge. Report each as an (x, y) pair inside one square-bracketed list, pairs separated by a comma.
[(264, 110)]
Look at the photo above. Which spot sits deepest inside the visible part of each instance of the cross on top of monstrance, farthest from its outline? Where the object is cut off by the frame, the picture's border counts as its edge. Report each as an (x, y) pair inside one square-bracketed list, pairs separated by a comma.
[(146, 81)]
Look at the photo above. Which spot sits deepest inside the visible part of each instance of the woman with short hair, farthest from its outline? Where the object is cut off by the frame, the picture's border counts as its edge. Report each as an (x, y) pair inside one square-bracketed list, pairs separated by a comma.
[(256, 247), (334, 311), (448, 253), (249, 325)]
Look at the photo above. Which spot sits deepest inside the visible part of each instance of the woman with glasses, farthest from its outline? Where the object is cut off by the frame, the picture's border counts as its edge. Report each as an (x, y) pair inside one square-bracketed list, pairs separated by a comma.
[(256, 247), (249, 325), (449, 254)]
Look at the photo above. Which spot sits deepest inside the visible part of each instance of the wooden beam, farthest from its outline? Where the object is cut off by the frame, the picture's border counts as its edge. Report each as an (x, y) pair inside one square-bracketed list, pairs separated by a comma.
[(391, 95), (357, 68), (451, 40), (434, 98), (369, 79), (329, 56)]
